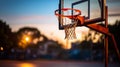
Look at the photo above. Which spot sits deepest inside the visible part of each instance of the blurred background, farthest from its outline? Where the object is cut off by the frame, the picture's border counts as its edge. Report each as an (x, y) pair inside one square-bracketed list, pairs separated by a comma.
[(29, 31)]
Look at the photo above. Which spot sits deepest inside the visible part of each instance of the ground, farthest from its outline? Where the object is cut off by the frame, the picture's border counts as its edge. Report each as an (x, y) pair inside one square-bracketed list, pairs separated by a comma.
[(52, 63)]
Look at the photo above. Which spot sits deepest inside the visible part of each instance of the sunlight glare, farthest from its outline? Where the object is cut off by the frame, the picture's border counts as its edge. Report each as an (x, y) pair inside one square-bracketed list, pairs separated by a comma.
[(27, 39), (67, 45), (26, 65)]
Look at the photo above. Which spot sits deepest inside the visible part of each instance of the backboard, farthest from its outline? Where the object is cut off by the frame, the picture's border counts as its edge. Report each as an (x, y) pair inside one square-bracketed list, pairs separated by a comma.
[(92, 10)]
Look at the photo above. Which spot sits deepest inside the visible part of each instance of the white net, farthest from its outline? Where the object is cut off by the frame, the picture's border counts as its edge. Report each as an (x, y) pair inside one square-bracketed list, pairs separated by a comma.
[(69, 27)]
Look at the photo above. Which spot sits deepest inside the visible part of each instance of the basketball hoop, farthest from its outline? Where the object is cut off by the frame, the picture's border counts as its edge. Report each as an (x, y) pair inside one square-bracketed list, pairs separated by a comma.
[(69, 22)]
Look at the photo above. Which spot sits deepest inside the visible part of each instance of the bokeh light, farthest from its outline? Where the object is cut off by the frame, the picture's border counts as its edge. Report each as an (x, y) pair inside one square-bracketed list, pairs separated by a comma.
[(26, 65), (1, 48), (27, 39)]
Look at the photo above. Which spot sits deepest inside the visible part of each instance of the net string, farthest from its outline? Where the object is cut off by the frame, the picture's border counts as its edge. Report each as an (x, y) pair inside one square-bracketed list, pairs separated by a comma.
[(70, 30)]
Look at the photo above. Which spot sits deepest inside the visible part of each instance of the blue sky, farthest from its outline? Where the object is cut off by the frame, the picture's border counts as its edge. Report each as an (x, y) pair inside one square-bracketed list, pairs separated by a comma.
[(27, 11), (28, 7)]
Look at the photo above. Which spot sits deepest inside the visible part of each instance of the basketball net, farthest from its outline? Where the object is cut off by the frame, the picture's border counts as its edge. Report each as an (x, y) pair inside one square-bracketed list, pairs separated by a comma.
[(68, 21), (69, 28)]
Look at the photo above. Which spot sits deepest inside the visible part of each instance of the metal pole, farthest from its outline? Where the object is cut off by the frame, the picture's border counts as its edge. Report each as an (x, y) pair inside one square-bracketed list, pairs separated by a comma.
[(106, 38), (61, 5)]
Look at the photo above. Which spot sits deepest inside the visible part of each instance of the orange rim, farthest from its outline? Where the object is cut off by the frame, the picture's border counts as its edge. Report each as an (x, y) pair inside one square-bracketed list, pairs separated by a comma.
[(66, 9)]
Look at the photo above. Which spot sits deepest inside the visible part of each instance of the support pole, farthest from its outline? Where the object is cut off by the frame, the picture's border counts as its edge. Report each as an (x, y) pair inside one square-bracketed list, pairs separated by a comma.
[(61, 5), (106, 38)]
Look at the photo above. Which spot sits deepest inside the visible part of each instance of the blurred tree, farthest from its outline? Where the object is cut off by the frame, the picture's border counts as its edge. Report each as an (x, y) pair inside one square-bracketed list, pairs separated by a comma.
[(28, 35), (54, 48), (115, 30), (98, 46), (38, 44), (34, 32), (6, 38)]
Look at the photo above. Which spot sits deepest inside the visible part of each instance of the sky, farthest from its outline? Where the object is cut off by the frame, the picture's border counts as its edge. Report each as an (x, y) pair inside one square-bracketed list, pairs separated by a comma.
[(35, 13), (40, 14), (24, 10)]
